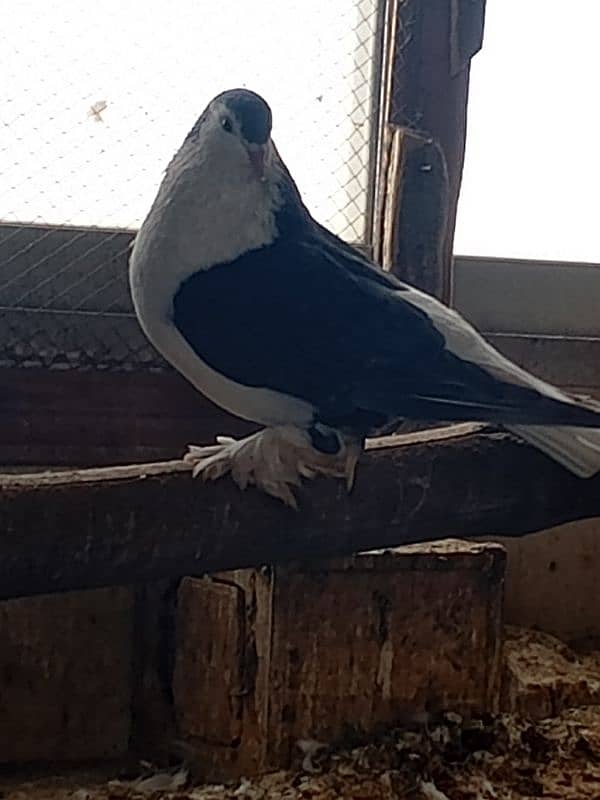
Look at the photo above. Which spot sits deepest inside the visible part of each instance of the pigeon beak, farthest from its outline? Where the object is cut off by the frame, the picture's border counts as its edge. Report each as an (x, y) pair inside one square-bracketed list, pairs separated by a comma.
[(258, 157)]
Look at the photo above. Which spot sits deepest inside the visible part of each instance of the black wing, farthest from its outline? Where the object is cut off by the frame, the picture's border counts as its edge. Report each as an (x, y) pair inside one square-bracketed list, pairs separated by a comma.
[(312, 318)]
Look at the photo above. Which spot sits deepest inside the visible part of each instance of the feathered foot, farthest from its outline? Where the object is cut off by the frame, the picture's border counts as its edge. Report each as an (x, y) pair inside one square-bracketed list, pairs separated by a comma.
[(274, 460)]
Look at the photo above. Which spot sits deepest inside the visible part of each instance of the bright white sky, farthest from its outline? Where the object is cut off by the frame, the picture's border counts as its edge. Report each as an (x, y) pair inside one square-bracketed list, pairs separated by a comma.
[(532, 169), (532, 172), (156, 64)]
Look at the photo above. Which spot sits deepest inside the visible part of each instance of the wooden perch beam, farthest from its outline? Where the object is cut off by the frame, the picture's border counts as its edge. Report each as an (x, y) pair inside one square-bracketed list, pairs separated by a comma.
[(76, 530)]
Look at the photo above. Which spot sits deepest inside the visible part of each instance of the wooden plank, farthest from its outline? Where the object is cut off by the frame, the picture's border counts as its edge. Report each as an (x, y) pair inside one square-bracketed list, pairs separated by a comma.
[(65, 676), (570, 362), (415, 211), (210, 646), (84, 418), (75, 418), (363, 642), (432, 45), (116, 526)]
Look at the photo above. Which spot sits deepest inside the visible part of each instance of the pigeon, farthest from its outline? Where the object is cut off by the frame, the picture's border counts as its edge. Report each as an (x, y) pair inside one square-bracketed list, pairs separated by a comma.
[(277, 320)]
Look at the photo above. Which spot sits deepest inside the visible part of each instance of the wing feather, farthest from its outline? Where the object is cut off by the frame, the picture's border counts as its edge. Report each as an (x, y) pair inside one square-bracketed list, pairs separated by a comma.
[(311, 317)]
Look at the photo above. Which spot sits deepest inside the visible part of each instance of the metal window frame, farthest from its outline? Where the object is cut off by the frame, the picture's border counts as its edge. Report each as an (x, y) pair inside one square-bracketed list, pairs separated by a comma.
[(384, 30)]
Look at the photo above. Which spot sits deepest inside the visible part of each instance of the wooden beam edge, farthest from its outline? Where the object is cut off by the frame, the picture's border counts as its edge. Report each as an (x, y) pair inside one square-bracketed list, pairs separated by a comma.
[(133, 524), (132, 472)]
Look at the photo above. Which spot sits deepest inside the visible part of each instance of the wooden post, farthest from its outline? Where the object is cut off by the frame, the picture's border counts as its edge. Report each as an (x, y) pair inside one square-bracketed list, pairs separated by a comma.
[(425, 107)]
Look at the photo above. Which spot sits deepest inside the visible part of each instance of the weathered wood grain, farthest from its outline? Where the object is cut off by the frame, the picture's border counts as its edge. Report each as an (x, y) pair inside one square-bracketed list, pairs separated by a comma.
[(143, 522)]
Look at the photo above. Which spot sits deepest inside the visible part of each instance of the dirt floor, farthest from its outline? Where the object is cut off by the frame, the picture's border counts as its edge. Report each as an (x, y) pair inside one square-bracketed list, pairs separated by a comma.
[(547, 744)]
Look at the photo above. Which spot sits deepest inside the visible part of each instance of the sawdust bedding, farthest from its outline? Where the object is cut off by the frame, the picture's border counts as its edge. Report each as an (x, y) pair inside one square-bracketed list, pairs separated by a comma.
[(490, 758), (547, 744)]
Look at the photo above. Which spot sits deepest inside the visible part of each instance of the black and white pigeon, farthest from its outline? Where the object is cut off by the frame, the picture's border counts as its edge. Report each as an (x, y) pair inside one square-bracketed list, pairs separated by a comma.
[(279, 321)]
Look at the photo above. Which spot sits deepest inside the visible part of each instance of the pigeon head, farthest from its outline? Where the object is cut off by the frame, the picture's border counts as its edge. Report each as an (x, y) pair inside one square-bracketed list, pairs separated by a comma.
[(237, 125), (247, 114)]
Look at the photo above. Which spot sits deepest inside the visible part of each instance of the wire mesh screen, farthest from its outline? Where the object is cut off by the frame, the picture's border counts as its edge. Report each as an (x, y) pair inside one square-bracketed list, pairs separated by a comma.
[(97, 99)]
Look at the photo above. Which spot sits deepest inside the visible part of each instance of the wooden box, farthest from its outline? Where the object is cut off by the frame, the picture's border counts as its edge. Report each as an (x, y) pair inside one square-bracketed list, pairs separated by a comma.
[(265, 658)]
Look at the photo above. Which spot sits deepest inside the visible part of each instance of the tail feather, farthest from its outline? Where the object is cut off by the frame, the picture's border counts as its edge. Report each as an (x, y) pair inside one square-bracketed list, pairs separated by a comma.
[(558, 425), (577, 449)]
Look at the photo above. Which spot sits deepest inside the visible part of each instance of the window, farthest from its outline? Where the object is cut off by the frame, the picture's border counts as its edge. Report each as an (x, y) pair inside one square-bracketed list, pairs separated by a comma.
[(99, 96), (532, 168), (528, 212)]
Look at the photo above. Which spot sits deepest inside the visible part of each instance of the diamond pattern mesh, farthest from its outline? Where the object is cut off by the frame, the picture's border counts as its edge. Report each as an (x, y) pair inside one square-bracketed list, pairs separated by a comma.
[(98, 97)]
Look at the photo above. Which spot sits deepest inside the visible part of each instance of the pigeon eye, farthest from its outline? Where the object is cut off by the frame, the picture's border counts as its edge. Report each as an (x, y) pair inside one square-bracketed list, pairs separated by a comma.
[(226, 125)]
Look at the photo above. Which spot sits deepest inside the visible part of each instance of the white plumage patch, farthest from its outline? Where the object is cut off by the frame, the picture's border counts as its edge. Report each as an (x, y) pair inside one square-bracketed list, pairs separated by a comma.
[(209, 210), (274, 460)]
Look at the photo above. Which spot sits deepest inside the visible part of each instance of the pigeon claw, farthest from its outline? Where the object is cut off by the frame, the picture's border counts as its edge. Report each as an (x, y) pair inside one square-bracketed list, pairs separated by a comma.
[(274, 460)]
